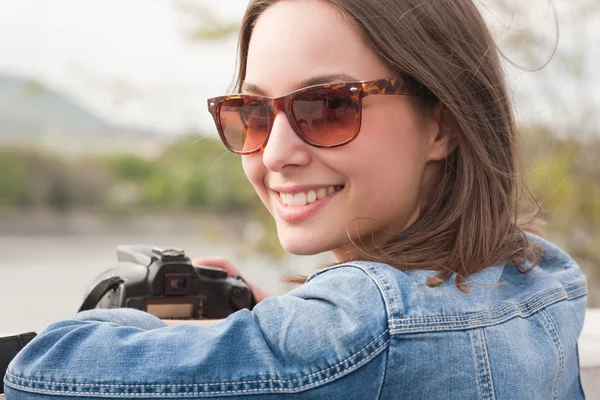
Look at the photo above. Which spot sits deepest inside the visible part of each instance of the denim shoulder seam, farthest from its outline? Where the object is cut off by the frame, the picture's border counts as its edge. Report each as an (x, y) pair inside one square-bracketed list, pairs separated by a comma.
[(490, 317), (384, 286), (389, 292)]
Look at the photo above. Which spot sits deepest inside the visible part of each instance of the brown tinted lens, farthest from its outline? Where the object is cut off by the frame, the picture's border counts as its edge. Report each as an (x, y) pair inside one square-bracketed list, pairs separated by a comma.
[(325, 117), (245, 124)]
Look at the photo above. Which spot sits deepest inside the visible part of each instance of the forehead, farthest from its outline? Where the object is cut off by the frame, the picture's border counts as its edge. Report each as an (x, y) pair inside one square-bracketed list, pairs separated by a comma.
[(293, 41)]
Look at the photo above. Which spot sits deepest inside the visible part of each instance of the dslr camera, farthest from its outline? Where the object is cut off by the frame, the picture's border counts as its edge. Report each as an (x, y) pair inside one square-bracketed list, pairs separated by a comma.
[(163, 282)]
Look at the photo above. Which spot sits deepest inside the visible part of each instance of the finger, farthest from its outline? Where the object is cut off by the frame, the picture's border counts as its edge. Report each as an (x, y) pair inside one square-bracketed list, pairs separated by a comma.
[(221, 262), (218, 262)]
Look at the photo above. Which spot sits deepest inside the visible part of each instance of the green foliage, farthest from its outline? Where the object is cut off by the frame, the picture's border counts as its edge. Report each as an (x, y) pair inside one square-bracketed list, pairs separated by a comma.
[(32, 179), (196, 175), (13, 180), (565, 176), (191, 174), (565, 179), (129, 167)]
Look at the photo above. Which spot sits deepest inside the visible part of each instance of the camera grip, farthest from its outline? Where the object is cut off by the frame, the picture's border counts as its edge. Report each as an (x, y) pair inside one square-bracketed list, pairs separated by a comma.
[(100, 290)]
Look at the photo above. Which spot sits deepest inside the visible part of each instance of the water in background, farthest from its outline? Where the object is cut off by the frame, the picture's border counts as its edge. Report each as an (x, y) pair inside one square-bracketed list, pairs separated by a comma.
[(44, 279)]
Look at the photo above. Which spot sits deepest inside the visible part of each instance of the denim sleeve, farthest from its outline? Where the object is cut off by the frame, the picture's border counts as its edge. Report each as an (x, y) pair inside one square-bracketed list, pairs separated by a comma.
[(306, 344)]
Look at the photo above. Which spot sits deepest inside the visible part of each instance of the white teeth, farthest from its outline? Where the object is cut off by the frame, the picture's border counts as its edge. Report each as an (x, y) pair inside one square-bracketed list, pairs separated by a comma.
[(322, 192), (303, 198), (300, 199), (289, 199)]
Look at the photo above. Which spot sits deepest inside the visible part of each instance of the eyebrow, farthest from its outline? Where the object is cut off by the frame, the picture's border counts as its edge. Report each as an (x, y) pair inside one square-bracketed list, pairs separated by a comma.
[(314, 80)]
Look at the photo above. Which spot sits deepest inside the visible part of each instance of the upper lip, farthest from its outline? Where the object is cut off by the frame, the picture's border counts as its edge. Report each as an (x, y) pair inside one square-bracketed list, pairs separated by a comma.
[(300, 188)]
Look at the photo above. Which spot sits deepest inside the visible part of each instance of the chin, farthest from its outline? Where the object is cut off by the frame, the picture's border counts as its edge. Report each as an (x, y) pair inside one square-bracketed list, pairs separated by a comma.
[(301, 249), (303, 246)]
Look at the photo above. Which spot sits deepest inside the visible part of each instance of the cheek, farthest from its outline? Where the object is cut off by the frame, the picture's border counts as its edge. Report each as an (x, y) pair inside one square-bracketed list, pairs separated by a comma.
[(255, 172), (389, 158), (394, 141)]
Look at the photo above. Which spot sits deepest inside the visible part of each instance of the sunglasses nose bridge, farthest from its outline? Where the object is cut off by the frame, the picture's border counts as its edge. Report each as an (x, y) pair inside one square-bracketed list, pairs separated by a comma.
[(279, 105), (282, 106)]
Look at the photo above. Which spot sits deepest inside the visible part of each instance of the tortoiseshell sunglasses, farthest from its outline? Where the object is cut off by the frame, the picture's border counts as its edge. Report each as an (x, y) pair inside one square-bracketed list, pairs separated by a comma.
[(326, 115)]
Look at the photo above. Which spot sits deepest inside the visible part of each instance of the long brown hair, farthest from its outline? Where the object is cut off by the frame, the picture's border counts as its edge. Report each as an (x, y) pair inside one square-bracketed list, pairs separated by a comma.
[(472, 219)]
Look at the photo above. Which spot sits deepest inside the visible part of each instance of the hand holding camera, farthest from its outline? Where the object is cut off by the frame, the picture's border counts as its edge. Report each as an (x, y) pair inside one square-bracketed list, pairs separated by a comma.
[(227, 266), (165, 283), (162, 282)]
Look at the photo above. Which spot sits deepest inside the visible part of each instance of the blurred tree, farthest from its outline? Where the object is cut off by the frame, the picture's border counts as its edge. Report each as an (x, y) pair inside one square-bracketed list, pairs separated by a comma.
[(32, 179), (13, 180), (130, 167)]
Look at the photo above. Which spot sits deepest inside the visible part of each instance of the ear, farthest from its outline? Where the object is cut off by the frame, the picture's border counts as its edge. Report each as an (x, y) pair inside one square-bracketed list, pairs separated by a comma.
[(443, 140)]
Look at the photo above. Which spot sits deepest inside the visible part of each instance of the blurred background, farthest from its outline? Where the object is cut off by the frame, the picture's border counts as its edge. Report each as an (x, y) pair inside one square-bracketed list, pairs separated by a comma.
[(105, 140)]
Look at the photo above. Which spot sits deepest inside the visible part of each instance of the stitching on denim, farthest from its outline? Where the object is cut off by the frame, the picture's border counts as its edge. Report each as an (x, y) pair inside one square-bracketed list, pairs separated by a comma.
[(207, 383), (476, 362), (485, 386), (551, 328), (375, 275), (576, 290), (393, 300), (387, 360), (384, 288), (486, 360), (480, 363), (486, 318), (187, 394)]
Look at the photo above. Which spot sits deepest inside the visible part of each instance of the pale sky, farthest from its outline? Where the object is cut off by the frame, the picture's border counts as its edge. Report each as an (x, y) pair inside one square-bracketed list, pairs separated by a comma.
[(129, 60)]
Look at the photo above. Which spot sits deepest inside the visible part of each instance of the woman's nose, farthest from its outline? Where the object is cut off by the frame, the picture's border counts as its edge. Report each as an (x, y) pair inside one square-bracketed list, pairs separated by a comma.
[(284, 147)]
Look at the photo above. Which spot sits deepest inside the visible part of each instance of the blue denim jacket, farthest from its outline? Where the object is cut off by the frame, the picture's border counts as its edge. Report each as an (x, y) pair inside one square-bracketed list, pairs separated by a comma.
[(361, 330)]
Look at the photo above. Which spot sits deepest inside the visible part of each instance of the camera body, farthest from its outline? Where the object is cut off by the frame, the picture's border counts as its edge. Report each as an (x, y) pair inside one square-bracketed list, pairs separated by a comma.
[(163, 282)]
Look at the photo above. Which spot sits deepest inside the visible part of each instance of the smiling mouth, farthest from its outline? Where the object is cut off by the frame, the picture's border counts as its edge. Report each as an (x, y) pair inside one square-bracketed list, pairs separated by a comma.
[(310, 196)]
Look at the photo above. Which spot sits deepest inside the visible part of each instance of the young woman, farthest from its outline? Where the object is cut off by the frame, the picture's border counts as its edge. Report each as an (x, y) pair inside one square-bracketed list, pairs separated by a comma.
[(380, 130)]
